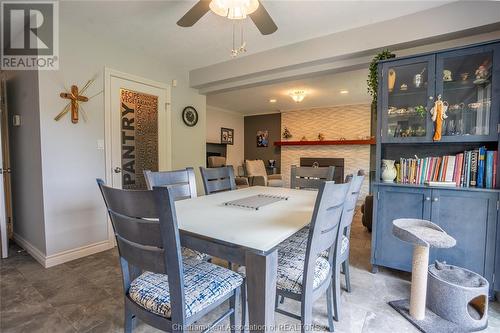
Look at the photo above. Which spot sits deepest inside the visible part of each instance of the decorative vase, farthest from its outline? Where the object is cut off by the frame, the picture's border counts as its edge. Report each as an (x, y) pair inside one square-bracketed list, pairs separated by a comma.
[(388, 171), (392, 79)]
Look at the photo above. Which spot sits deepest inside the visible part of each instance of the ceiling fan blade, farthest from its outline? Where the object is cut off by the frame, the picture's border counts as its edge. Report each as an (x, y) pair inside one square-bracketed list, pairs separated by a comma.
[(194, 14), (263, 20)]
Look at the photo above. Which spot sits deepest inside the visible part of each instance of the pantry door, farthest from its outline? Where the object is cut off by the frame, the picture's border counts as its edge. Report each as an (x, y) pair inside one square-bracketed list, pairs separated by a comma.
[(138, 128)]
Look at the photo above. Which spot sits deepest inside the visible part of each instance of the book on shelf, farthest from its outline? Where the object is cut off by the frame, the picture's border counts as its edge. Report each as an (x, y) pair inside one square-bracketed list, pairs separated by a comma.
[(471, 168), (480, 167), (489, 169)]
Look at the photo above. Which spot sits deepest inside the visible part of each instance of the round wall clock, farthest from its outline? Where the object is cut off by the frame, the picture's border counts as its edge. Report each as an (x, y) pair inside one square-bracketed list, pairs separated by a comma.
[(190, 116)]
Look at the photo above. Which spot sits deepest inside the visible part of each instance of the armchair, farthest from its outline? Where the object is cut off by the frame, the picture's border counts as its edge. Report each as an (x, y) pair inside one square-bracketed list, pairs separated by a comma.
[(257, 175)]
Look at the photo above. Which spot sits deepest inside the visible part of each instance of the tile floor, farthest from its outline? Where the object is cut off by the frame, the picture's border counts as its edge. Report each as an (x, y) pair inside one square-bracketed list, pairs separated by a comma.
[(85, 295)]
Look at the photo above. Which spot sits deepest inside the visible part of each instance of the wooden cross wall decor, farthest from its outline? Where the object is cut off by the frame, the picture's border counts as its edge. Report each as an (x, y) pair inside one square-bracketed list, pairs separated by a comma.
[(73, 105)]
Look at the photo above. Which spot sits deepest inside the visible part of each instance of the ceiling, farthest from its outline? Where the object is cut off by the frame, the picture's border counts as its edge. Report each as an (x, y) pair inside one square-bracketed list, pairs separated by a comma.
[(321, 91), (150, 26)]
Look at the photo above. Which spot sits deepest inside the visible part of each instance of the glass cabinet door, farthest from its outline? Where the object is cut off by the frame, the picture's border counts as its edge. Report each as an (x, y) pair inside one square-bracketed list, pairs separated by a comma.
[(464, 80), (408, 88)]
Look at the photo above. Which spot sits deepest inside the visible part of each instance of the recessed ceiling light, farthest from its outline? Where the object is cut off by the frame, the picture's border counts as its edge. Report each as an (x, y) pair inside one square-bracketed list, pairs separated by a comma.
[(344, 91), (272, 100)]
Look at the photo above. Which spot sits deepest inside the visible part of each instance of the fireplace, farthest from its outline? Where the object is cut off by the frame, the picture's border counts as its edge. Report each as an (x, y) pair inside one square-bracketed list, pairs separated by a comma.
[(338, 163)]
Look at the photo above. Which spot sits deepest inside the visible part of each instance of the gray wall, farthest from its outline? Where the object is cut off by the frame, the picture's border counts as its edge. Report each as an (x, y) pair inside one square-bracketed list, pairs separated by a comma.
[(26, 161), (270, 122)]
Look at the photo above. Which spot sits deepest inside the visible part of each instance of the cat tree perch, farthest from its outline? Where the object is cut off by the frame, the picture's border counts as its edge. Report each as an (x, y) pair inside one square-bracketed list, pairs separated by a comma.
[(423, 235)]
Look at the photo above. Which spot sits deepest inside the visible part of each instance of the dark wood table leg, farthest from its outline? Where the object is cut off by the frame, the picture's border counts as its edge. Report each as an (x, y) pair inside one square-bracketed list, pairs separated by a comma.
[(261, 274)]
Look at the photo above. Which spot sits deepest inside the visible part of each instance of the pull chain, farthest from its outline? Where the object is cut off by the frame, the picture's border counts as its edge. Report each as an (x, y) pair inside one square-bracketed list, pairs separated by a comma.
[(242, 48)]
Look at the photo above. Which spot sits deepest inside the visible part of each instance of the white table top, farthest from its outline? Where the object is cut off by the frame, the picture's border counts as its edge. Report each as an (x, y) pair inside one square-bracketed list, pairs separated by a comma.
[(260, 230)]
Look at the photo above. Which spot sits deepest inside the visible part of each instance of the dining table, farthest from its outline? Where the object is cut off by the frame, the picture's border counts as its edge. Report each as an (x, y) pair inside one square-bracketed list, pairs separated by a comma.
[(248, 237)]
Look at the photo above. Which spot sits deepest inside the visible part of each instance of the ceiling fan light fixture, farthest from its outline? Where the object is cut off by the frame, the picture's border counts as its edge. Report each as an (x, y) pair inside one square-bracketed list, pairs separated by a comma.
[(298, 95), (234, 9)]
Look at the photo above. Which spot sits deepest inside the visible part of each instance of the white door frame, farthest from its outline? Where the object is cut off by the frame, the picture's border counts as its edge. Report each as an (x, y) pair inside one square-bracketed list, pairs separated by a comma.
[(112, 73), (4, 251)]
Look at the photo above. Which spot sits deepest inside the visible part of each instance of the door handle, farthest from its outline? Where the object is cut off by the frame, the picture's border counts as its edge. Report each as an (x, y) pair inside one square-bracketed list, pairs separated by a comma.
[(117, 170), (427, 198), (435, 199)]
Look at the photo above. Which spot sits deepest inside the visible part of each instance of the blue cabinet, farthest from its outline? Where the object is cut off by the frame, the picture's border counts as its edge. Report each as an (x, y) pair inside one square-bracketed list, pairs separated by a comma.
[(468, 216), (467, 80), (393, 203)]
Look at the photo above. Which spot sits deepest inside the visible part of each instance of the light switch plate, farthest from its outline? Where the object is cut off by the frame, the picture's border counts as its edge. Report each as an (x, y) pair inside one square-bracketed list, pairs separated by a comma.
[(100, 144), (16, 120)]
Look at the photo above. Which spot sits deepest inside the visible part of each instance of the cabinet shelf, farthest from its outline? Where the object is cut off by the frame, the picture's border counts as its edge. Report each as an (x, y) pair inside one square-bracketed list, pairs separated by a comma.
[(455, 188), (407, 93)]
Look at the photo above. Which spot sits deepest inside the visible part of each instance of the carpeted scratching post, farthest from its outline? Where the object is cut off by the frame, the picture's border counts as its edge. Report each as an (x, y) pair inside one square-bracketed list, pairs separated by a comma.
[(419, 281), (423, 235)]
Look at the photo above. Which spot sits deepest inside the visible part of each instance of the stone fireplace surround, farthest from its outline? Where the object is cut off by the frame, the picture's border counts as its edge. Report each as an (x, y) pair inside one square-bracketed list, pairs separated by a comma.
[(347, 121)]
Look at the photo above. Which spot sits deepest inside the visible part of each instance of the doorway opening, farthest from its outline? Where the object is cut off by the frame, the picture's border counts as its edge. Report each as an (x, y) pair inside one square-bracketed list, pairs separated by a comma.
[(6, 219)]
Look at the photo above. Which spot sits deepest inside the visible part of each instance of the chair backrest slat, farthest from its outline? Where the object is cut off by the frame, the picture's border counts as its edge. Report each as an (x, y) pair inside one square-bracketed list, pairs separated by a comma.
[(324, 225), (183, 182), (310, 177), (146, 257), (218, 179), (130, 203), (137, 230)]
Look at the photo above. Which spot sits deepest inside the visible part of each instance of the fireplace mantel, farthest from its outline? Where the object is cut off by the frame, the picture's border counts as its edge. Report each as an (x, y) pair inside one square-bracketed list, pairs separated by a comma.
[(326, 142)]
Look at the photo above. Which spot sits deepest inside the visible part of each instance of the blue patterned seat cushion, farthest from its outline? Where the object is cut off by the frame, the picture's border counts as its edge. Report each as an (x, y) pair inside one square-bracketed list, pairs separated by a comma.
[(298, 242), (193, 254), (204, 284), (291, 270)]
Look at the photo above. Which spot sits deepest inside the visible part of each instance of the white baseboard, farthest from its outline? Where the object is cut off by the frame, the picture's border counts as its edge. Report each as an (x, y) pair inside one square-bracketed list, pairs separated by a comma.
[(79, 252), (64, 256), (32, 250)]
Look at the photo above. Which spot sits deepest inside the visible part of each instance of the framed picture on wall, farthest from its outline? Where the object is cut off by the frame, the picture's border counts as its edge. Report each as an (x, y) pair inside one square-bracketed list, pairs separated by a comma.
[(262, 138), (227, 136)]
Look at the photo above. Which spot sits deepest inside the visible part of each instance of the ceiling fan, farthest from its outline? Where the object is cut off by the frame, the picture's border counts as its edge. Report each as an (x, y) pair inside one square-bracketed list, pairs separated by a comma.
[(234, 10)]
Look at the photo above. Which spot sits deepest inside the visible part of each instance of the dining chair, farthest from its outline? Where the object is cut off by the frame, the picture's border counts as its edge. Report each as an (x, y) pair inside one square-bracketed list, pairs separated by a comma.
[(220, 161), (342, 248), (310, 177), (161, 288), (340, 260), (306, 275), (218, 179), (183, 186), (183, 182)]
